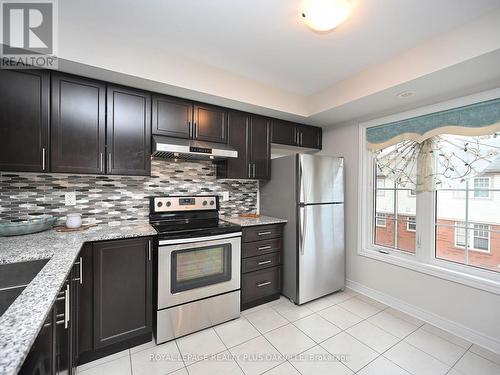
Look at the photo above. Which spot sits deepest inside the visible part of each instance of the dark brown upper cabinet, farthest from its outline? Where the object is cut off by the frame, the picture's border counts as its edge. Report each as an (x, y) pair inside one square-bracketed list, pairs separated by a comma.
[(288, 133), (308, 136), (122, 290), (24, 120), (128, 131), (239, 138), (172, 117), (250, 135), (180, 118), (209, 123), (284, 133), (78, 125), (260, 147)]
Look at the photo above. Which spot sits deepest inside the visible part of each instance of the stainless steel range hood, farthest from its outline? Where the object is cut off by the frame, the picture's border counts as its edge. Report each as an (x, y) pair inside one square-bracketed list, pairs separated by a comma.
[(176, 148)]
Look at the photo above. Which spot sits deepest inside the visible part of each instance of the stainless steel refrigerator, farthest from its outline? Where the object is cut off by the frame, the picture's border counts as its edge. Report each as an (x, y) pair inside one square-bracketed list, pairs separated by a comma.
[(308, 191)]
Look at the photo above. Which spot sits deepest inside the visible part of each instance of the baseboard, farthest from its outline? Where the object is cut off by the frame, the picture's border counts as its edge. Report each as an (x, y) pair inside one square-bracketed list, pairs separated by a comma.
[(457, 329)]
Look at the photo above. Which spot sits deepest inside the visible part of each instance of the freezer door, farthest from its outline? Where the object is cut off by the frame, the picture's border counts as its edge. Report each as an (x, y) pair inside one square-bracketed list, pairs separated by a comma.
[(321, 251), (321, 179)]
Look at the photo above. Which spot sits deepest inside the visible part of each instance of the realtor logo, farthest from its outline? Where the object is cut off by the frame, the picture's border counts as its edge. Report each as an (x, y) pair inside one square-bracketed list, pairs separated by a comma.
[(28, 34)]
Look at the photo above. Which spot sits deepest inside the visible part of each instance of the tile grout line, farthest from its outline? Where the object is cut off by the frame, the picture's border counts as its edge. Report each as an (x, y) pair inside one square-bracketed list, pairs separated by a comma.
[(482, 356), (227, 348), (130, 361), (265, 338), (458, 360), (392, 346)]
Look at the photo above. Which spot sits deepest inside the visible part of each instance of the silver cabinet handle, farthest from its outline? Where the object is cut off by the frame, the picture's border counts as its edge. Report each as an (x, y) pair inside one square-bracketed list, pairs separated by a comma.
[(101, 156), (195, 130), (297, 137), (260, 285), (263, 262), (253, 166), (109, 161), (149, 250), (190, 131), (43, 159), (81, 270), (249, 170), (66, 307), (301, 138), (264, 247), (264, 233)]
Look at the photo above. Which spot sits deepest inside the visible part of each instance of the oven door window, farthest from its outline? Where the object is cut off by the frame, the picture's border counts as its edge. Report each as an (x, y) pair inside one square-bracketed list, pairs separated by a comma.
[(200, 266)]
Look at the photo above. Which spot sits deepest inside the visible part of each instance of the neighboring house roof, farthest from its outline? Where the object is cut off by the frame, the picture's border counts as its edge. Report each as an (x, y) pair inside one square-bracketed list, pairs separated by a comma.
[(493, 167)]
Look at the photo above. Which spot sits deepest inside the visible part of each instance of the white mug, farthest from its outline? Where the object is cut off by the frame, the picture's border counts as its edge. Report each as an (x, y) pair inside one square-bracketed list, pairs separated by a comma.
[(73, 220)]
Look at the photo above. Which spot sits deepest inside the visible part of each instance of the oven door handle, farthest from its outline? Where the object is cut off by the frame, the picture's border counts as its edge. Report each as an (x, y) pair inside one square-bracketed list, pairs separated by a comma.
[(198, 239)]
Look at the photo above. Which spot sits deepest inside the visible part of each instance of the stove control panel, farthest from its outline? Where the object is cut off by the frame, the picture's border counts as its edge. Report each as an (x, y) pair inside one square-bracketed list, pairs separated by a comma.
[(172, 204)]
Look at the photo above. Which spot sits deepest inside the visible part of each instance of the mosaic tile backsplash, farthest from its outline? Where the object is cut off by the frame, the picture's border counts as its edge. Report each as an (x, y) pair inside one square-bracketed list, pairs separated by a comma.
[(108, 199)]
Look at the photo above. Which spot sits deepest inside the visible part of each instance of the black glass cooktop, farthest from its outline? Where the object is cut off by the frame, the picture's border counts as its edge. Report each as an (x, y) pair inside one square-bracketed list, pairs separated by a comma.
[(189, 229)]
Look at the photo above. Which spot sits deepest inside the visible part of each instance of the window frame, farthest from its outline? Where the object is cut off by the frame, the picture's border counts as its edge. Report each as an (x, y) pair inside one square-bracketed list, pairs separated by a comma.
[(423, 260), (411, 222), (381, 216), (471, 236), (474, 190)]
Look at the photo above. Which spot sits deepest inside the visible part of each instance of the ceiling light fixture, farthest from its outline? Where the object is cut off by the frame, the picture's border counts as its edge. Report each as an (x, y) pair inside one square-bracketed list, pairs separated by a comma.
[(325, 15)]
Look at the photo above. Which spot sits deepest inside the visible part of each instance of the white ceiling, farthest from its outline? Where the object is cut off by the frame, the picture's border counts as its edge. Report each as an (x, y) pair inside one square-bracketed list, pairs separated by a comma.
[(227, 49), (265, 40)]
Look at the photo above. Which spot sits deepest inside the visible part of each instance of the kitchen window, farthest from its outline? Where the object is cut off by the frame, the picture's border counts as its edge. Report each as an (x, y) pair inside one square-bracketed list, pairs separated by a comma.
[(458, 232)]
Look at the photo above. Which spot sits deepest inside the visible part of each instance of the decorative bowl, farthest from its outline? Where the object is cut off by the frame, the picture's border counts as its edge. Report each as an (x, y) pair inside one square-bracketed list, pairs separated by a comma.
[(26, 226)]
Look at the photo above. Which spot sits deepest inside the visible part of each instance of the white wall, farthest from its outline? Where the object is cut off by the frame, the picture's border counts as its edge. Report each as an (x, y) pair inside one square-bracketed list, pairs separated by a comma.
[(474, 309)]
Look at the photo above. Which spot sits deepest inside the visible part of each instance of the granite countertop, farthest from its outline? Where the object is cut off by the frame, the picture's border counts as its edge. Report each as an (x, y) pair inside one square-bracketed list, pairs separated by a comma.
[(250, 221), (20, 324)]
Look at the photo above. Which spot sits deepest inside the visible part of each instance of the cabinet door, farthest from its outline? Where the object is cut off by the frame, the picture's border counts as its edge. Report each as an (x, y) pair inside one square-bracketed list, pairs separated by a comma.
[(78, 127), (122, 290), (40, 359), (309, 136), (85, 337), (209, 124), (172, 117), (63, 336), (260, 140), (128, 131), (24, 120), (284, 133), (239, 138)]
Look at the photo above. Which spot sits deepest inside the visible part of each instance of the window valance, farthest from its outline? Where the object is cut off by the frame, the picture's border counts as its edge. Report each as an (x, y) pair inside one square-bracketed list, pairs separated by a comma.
[(438, 149), (476, 119)]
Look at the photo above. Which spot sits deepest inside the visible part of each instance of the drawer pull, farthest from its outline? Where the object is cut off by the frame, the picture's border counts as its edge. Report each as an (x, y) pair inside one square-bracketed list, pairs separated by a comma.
[(265, 283), (265, 247), (264, 262), (264, 233)]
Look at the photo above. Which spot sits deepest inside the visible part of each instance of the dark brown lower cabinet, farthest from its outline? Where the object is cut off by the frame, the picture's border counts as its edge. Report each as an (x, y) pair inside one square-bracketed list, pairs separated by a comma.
[(53, 350), (261, 264), (104, 306), (122, 290), (40, 359)]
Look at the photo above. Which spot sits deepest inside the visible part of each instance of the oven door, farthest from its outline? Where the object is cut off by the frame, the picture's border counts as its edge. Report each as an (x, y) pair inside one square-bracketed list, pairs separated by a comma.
[(195, 268)]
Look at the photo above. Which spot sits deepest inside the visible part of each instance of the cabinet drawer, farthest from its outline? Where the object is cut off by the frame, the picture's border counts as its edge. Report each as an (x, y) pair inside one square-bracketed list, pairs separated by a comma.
[(252, 249), (260, 262), (261, 232), (260, 284)]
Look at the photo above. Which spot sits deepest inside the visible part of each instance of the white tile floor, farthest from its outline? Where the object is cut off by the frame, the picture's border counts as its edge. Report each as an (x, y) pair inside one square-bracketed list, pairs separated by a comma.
[(343, 333)]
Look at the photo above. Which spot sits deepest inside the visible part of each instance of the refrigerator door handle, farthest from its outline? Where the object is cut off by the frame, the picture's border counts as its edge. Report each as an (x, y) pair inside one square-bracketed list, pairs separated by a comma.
[(302, 228)]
